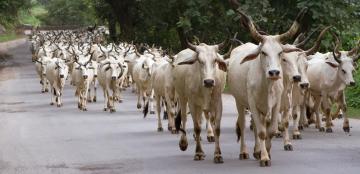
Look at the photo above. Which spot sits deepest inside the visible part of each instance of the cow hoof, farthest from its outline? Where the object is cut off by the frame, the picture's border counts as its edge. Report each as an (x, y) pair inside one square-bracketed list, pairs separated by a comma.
[(218, 159), (183, 144), (84, 109), (281, 128), (120, 100), (211, 139), (301, 127), (288, 147), (58, 105), (311, 122), (174, 132), (251, 127), (46, 90), (329, 130), (323, 119), (346, 129), (265, 163), (278, 135), (169, 128), (105, 109), (195, 137), (138, 106), (257, 155), (321, 129), (243, 156), (52, 103), (42, 91), (112, 110), (306, 125), (94, 100), (297, 137), (160, 129), (89, 100), (199, 156), (152, 112), (340, 116)]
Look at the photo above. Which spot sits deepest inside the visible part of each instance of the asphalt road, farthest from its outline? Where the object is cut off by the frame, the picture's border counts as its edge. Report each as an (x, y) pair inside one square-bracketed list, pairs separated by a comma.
[(36, 138)]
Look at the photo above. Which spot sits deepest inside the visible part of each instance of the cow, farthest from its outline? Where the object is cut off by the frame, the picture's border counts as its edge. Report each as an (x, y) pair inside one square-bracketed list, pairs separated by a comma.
[(255, 79), (329, 74), (83, 73), (162, 84), (141, 74), (199, 79), (109, 72), (293, 65), (56, 74)]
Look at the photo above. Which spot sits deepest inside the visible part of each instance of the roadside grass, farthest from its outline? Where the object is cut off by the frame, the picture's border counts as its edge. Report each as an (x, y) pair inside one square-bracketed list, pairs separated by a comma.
[(9, 36), (353, 112), (33, 15)]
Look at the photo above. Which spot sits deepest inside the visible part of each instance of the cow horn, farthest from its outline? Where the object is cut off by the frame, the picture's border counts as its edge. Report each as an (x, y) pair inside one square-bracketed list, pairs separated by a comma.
[(338, 43), (353, 52), (101, 48), (248, 23), (223, 44), (191, 46), (316, 46), (298, 43), (294, 27), (147, 49)]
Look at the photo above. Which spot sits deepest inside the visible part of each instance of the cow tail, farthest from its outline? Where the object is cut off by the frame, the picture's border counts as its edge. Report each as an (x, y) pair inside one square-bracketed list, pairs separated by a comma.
[(146, 109), (238, 132), (178, 123)]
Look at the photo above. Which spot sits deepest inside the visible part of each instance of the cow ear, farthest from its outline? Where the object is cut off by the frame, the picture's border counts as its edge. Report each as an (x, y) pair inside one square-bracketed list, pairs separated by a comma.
[(249, 57), (222, 64), (332, 64), (107, 68)]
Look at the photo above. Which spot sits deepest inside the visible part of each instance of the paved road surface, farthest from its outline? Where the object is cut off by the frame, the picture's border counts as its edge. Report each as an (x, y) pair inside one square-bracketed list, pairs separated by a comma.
[(36, 138)]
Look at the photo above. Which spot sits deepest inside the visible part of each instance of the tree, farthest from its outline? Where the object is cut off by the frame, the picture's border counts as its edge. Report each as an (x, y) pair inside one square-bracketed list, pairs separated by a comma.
[(9, 10)]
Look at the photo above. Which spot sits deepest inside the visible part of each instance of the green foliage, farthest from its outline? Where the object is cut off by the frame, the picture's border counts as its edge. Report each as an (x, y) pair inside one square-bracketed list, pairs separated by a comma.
[(353, 93), (9, 10), (68, 12)]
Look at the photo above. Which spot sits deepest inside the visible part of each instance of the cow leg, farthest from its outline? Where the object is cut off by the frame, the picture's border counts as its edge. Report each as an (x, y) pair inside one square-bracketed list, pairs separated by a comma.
[(183, 144), (342, 106), (158, 112), (317, 103), (85, 97), (210, 133), (138, 100), (285, 122), (151, 100), (170, 109), (112, 101), (218, 114), (296, 119), (95, 88), (261, 135), (106, 100), (196, 116), (52, 95), (327, 109), (58, 99), (240, 131)]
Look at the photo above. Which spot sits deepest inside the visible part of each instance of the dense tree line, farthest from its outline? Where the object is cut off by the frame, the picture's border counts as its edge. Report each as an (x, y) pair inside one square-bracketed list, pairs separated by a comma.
[(9, 10)]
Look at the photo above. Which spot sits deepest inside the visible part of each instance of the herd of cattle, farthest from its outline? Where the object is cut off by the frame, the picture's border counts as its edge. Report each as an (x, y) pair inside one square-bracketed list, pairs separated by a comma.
[(272, 81)]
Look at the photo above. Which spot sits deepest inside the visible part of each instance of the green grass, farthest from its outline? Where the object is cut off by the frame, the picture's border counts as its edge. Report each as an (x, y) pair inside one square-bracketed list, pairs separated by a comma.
[(9, 36), (353, 112)]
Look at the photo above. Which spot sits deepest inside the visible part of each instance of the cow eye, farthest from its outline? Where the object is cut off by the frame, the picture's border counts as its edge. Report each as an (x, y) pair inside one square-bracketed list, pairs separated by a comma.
[(280, 53), (343, 71), (263, 53), (284, 60)]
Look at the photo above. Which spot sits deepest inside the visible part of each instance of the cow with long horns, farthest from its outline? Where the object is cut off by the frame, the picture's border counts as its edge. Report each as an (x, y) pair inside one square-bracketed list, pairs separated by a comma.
[(255, 79)]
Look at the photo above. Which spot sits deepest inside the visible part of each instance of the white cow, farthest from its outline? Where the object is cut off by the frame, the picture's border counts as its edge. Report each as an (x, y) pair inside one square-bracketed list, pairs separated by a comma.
[(258, 85), (56, 73), (109, 72), (329, 74), (199, 80)]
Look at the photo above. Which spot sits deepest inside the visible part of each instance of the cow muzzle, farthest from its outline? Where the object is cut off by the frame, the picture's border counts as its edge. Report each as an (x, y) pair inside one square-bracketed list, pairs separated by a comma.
[(297, 78), (304, 85), (85, 76), (274, 74), (352, 83), (113, 78), (208, 83), (62, 76)]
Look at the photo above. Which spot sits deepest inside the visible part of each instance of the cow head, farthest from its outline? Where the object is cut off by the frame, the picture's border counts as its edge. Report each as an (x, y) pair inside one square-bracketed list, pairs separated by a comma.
[(208, 59), (82, 65), (271, 47), (345, 64), (114, 66), (62, 68)]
